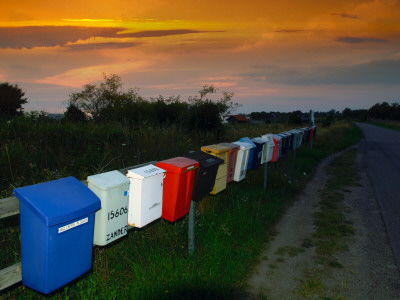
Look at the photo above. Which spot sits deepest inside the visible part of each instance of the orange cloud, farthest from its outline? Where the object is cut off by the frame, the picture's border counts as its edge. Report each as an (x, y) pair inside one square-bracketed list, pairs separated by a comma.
[(81, 76)]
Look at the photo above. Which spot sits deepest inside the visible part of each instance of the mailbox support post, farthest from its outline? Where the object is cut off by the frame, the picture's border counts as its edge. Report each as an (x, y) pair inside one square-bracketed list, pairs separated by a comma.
[(294, 157), (311, 124), (265, 175), (191, 233)]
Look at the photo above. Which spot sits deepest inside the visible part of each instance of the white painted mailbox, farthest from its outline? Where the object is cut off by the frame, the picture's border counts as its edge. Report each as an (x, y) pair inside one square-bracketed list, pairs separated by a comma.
[(242, 160), (111, 221), (145, 195), (269, 147)]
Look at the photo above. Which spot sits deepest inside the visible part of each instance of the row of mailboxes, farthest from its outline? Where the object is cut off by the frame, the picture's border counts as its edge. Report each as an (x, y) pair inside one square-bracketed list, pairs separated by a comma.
[(62, 219)]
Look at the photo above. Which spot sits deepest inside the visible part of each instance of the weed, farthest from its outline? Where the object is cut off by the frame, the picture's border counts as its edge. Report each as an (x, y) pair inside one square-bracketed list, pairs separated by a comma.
[(335, 264), (310, 287), (307, 243), (289, 250), (272, 266)]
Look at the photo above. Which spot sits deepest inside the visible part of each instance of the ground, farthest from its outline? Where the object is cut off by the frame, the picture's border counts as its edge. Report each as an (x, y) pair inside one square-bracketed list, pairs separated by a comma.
[(365, 268)]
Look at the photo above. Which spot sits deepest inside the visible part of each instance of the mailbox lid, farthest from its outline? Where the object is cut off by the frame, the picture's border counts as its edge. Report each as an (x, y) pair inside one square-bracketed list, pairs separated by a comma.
[(247, 140), (258, 140), (244, 145), (233, 146), (60, 200), (269, 139), (217, 149), (277, 138), (108, 180), (144, 172), (178, 164), (205, 160)]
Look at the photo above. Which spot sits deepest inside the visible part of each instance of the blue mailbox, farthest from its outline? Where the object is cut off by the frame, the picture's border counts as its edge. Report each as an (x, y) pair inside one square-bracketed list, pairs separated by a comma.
[(57, 223), (255, 153)]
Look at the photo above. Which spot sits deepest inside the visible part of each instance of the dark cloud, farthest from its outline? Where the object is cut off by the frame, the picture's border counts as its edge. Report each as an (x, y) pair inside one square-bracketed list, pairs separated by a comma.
[(344, 15), (97, 46), (380, 72), (161, 33), (51, 36), (359, 40), (289, 30)]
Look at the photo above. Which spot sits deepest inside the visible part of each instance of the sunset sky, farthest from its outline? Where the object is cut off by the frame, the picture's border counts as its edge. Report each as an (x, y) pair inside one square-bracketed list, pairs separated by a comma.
[(274, 55)]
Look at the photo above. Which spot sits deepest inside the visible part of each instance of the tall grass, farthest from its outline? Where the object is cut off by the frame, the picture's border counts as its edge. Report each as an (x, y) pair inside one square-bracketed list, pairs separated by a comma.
[(231, 227)]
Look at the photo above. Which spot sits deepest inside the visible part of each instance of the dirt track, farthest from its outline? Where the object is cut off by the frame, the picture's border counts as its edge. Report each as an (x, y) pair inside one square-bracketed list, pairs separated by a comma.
[(369, 270)]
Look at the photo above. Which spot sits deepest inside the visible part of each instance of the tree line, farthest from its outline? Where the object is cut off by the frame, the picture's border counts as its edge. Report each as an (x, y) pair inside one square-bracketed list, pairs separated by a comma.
[(108, 102)]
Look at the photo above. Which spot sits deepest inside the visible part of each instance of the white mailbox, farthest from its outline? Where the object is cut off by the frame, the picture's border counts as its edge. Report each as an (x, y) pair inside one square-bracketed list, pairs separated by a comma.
[(145, 195), (242, 160), (269, 144), (111, 221)]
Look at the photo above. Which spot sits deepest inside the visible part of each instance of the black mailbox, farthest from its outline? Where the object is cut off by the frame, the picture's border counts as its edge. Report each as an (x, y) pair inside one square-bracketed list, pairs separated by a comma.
[(205, 174)]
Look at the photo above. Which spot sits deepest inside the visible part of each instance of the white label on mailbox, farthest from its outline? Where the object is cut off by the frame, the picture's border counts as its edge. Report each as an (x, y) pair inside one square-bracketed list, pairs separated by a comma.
[(73, 225)]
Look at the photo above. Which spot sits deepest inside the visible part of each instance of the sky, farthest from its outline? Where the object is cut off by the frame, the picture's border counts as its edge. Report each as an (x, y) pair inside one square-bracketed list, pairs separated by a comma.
[(273, 55)]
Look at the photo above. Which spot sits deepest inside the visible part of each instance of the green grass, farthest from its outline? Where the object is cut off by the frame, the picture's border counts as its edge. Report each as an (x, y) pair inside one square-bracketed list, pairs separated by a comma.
[(332, 228), (391, 124), (152, 263)]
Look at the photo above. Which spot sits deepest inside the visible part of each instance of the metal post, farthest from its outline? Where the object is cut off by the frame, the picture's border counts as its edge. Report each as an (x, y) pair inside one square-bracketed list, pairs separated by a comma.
[(191, 233), (311, 123), (265, 175), (294, 157)]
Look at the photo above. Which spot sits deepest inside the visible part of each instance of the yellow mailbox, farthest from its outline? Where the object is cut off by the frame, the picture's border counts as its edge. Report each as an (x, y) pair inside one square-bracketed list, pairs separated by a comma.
[(221, 152)]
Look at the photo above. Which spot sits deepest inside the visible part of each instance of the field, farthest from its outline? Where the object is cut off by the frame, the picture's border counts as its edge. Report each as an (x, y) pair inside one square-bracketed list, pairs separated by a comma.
[(152, 263)]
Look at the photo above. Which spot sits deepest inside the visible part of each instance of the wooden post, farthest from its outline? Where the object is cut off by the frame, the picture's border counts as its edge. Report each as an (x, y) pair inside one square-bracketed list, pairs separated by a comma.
[(10, 275)]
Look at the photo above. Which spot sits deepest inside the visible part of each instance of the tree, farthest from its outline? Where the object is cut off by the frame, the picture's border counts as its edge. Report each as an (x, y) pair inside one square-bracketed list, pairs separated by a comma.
[(11, 100), (106, 101), (295, 117), (74, 114), (206, 114)]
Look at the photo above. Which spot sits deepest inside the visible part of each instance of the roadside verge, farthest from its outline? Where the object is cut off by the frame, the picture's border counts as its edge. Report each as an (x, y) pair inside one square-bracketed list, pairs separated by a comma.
[(331, 244)]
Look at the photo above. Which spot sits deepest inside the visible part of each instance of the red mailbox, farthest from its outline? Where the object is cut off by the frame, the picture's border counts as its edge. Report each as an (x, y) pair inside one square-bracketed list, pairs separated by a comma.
[(275, 154), (311, 133), (178, 186)]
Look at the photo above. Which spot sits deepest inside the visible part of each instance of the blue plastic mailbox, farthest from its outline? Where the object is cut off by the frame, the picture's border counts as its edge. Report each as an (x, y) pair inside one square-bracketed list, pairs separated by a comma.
[(57, 223), (253, 162), (257, 156)]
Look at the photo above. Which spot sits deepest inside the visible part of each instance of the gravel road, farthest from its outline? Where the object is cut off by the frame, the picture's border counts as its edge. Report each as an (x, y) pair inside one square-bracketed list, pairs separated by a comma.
[(369, 267)]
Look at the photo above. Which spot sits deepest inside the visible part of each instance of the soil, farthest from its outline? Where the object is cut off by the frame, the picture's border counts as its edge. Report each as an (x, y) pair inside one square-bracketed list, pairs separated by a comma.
[(368, 269)]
